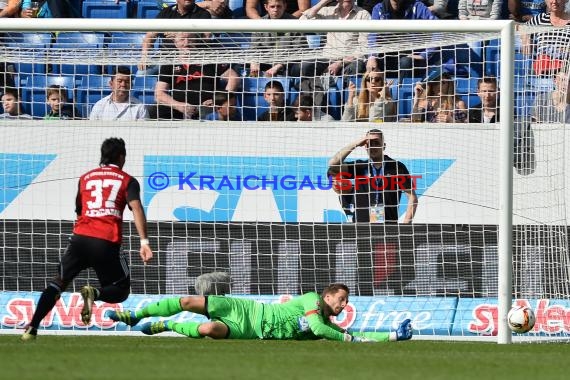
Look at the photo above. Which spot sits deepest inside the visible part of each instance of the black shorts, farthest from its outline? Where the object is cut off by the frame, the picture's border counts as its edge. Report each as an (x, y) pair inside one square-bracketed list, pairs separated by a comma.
[(103, 256)]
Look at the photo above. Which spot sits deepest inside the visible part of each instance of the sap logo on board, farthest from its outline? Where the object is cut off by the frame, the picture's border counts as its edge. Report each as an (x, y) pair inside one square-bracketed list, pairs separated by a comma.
[(254, 188)]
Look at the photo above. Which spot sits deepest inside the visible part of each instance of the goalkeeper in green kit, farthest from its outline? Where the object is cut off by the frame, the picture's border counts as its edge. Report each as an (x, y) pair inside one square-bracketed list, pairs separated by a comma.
[(302, 318)]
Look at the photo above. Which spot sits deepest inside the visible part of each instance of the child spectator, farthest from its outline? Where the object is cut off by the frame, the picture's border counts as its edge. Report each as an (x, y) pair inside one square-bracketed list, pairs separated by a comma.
[(274, 94), (11, 105), (57, 101), (225, 108), (305, 110)]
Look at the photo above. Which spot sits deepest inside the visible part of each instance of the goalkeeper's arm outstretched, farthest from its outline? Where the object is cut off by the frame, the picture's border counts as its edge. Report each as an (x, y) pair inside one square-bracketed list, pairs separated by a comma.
[(302, 318)]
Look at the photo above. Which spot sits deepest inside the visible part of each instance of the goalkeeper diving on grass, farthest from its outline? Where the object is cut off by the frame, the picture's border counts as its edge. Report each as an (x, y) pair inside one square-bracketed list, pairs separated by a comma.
[(306, 317)]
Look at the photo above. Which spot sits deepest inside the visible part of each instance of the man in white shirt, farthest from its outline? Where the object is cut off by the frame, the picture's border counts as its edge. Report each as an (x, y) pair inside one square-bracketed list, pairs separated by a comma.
[(119, 105)]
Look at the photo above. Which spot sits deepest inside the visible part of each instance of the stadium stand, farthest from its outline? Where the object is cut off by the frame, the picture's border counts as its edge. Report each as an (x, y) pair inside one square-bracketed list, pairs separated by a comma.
[(38, 43), (150, 8), (34, 92), (127, 45), (85, 44), (106, 9), (143, 88)]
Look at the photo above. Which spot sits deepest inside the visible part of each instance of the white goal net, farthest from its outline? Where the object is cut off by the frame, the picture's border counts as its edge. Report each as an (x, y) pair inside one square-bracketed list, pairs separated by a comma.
[(234, 134)]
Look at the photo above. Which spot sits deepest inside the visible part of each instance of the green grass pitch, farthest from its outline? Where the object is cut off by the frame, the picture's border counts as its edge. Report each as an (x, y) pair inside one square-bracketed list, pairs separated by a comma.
[(138, 358)]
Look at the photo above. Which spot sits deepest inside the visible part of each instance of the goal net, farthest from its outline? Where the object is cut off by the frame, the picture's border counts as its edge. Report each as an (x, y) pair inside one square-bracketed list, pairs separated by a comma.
[(236, 133)]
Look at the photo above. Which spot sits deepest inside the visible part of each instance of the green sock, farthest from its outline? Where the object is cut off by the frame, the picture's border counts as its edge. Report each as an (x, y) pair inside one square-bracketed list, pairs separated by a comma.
[(190, 329), (162, 308), (377, 336)]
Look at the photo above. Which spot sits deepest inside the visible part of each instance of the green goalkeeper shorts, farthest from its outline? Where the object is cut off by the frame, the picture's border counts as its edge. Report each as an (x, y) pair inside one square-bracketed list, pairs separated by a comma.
[(240, 315)]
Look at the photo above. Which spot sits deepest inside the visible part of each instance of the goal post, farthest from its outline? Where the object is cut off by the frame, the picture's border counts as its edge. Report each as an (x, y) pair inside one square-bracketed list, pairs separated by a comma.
[(271, 242)]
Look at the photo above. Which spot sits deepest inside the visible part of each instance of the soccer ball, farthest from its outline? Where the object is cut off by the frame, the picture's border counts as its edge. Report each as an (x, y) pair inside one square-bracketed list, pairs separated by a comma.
[(521, 319)]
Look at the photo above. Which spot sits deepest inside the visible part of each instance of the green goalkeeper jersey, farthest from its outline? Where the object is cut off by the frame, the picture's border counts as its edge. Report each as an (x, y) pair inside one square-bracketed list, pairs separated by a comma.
[(300, 318)]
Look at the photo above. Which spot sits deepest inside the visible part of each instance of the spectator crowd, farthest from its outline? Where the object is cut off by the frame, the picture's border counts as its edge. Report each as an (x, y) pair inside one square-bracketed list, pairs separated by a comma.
[(451, 84)]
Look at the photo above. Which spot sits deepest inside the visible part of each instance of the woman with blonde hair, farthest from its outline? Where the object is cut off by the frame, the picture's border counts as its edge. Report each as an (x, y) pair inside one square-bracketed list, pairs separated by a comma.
[(435, 101), (373, 103)]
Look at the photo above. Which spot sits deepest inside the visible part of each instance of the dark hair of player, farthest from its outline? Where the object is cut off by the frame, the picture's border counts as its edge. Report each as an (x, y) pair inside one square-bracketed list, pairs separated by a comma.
[(111, 151), (334, 288)]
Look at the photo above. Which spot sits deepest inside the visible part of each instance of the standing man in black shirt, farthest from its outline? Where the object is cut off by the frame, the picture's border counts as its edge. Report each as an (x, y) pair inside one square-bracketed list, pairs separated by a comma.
[(378, 181)]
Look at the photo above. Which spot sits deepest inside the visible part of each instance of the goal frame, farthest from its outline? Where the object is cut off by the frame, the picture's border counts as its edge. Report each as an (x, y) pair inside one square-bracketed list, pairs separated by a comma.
[(504, 28)]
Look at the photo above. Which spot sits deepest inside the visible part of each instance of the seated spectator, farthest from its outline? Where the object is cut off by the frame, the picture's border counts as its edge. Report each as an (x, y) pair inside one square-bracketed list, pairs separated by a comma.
[(373, 103), (442, 9), (274, 94), (552, 44), (435, 101), (119, 105), (480, 10), (184, 87), (305, 110), (524, 10), (342, 49), (9, 8), (50, 9), (183, 9), (225, 108), (11, 105), (437, 7), (59, 109), (403, 63), (276, 41), (488, 111), (554, 107), (217, 8), (293, 7)]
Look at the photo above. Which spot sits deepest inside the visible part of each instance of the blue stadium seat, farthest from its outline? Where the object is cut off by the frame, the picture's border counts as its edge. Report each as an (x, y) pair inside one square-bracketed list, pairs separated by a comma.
[(80, 44), (406, 96), (127, 46), (234, 40), (34, 93), (34, 45), (150, 8), (143, 88), (466, 88), (106, 9), (237, 7), (91, 90), (466, 85), (253, 102)]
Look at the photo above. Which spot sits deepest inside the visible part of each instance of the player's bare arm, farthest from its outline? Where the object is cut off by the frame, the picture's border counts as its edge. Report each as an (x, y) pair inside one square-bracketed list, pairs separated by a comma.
[(140, 223)]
